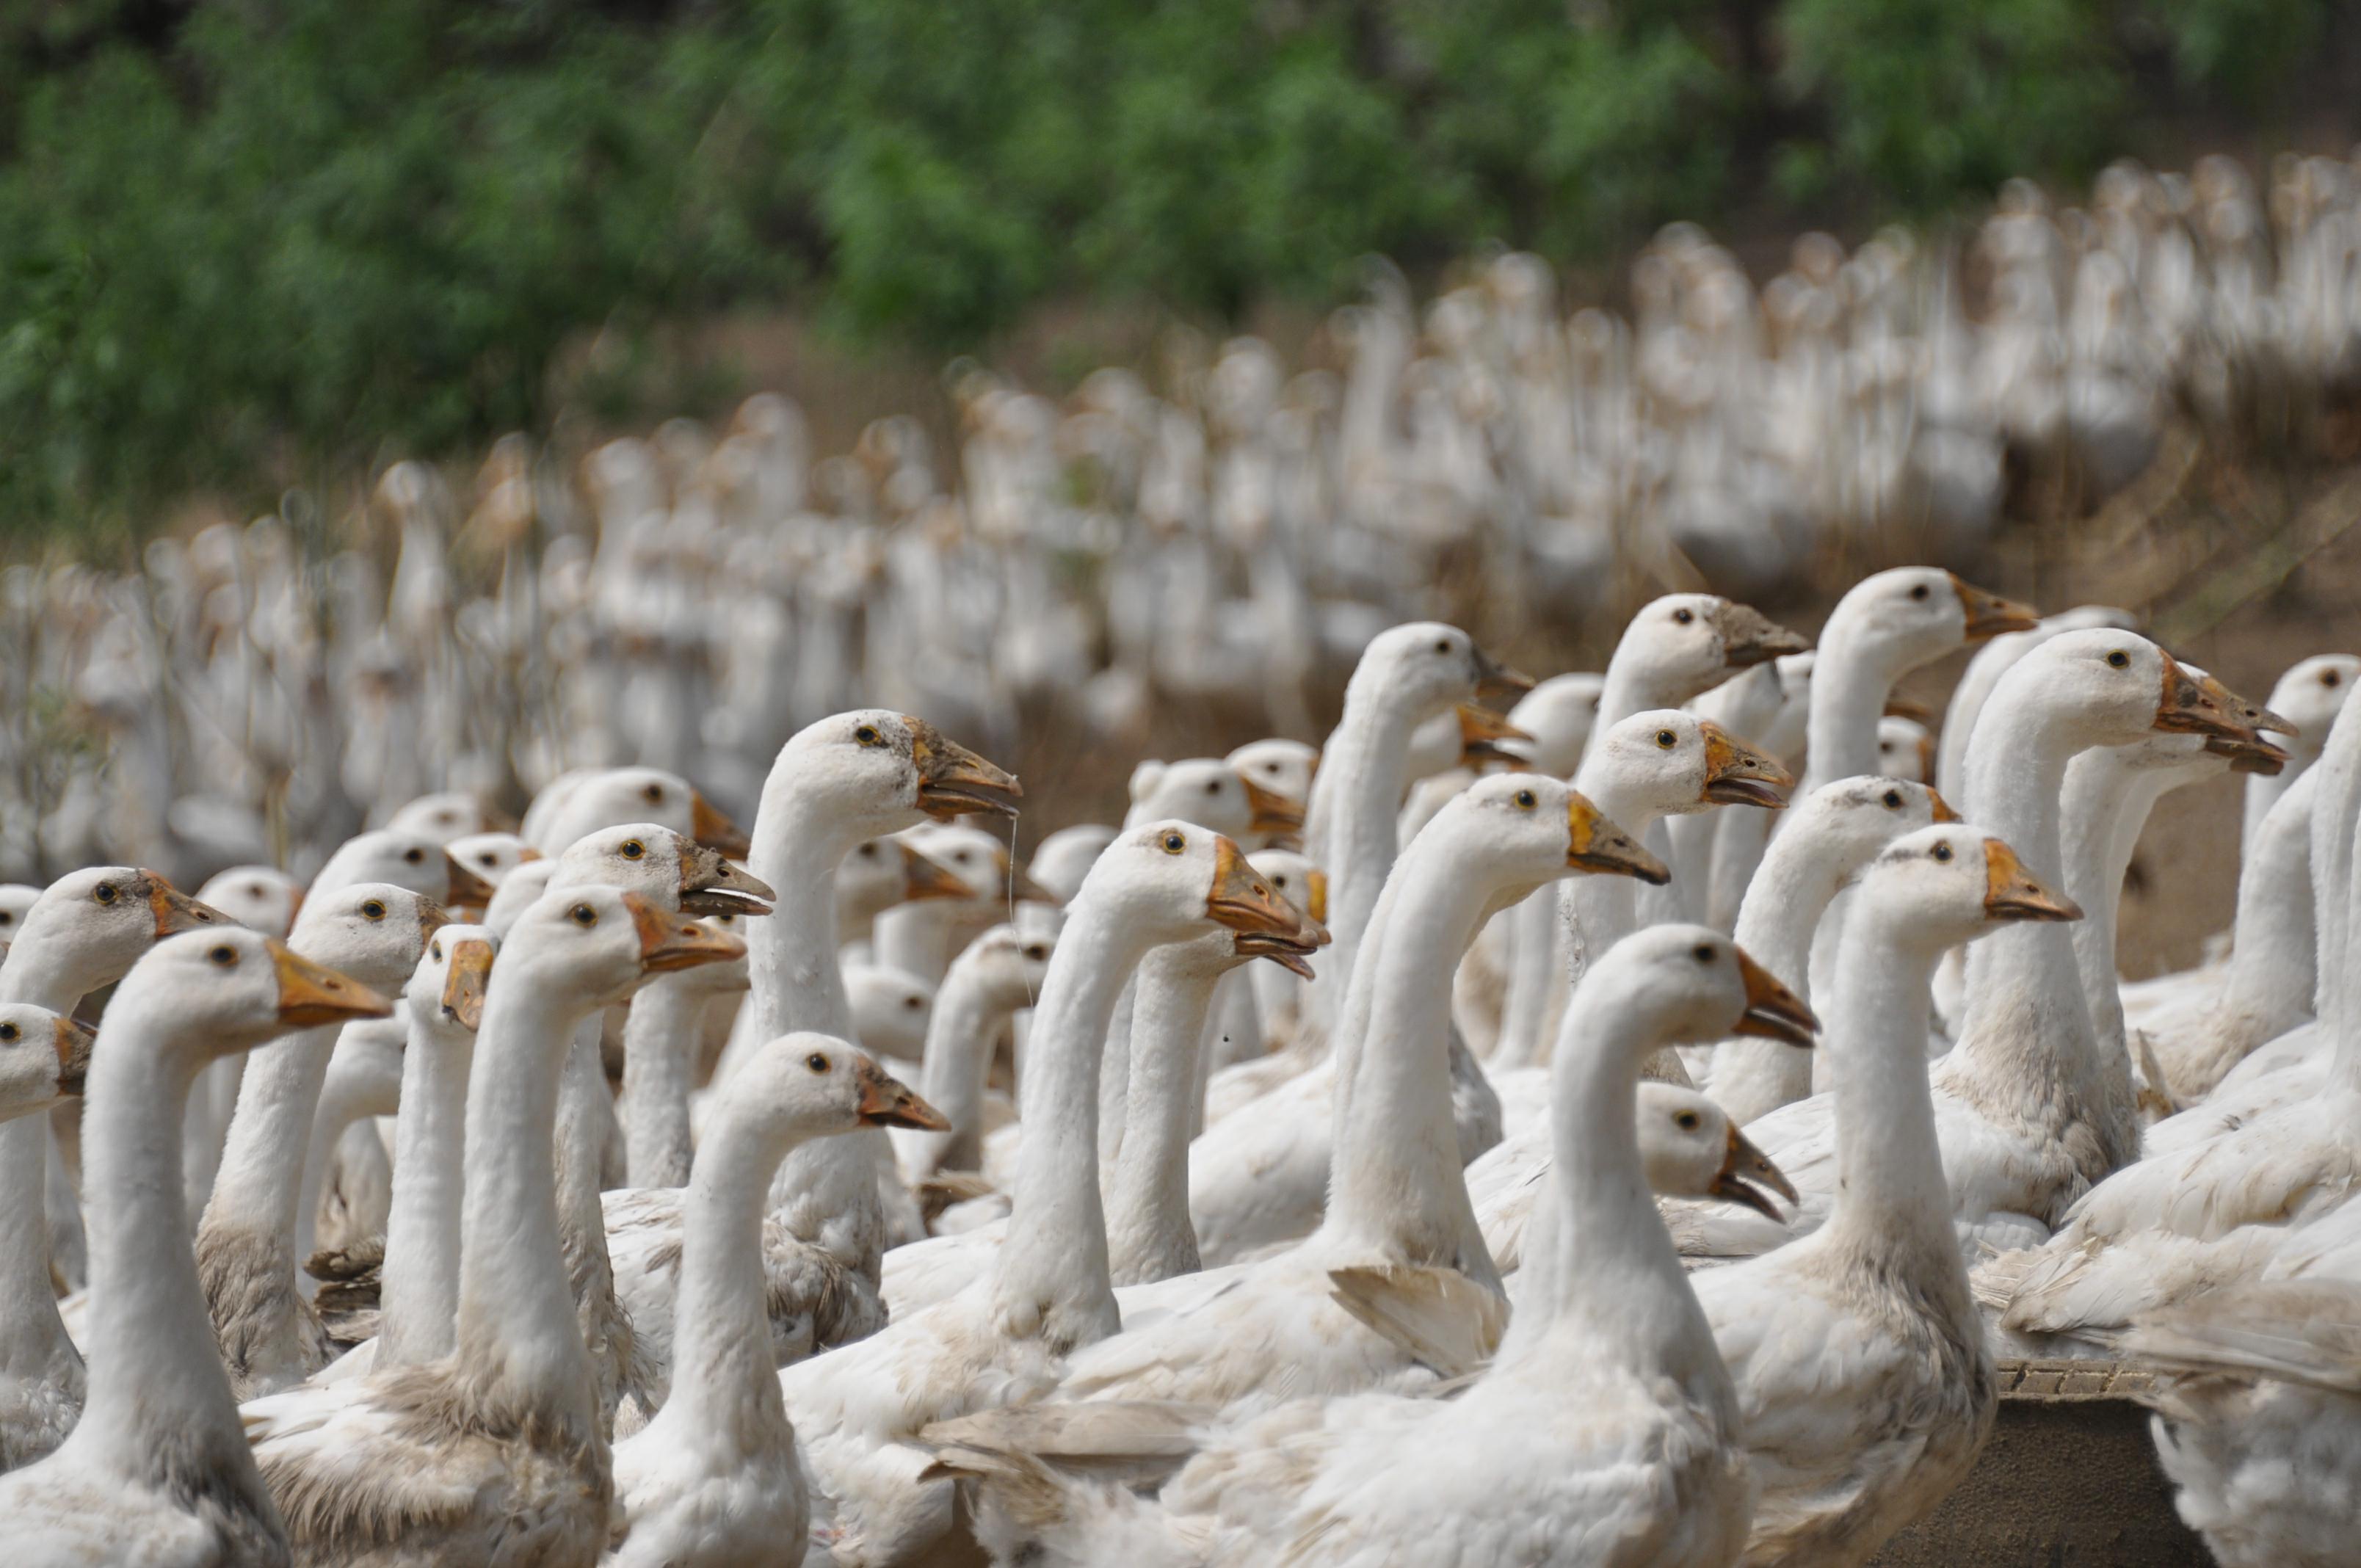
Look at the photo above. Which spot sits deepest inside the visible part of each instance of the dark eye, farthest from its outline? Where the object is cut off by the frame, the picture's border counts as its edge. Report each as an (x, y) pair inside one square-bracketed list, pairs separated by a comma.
[(870, 849), (9, 1032), (583, 915), (1527, 799), (1666, 739), (106, 893), (1919, 592), (1702, 952), (2331, 678), (435, 952), (1037, 953), (223, 955), (1893, 800), (7, 918), (653, 795), (374, 909), (1686, 1121), (817, 1062), (1942, 851), (1213, 786), (867, 734), (413, 856), (2119, 659), (256, 891), (1683, 617), (912, 1004), (487, 859), (1442, 644), (633, 849)]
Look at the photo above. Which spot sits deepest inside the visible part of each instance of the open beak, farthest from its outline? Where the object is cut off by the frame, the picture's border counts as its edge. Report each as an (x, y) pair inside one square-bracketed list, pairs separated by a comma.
[(1242, 901), (922, 878), (2259, 756), (73, 1043), (668, 943), (1595, 844), (1750, 637), (954, 781), (2253, 715), (1483, 735), (1275, 813), (1989, 615), (2012, 893), (1773, 1010), (887, 1102), (1495, 681), (2186, 706), (1745, 1171), (1738, 774), (710, 827), (1943, 812), (465, 981), (311, 995), (1284, 951), (175, 911), (468, 891), (712, 885)]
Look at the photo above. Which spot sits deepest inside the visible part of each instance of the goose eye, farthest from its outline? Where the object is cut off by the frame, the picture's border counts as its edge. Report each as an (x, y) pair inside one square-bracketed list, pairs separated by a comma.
[(1702, 952), (1666, 739), (870, 849), (912, 1004), (1526, 800), (256, 891), (1683, 617), (1919, 592), (583, 915), (1942, 851), (106, 893), (1037, 953), (435, 952), (223, 955), (7, 918), (373, 910), (1893, 800), (487, 859), (2331, 678), (1442, 644), (1174, 843), (867, 736), (2118, 659), (1686, 1121), (413, 856), (653, 795), (9, 1032), (633, 849), (817, 1062), (1213, 786)]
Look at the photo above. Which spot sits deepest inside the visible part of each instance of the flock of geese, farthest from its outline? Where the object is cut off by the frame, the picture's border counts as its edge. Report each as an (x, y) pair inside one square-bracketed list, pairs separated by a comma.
[(846, 1191)]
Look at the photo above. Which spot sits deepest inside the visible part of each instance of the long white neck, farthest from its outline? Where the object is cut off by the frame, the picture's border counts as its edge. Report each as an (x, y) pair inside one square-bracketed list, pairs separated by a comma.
[(160, 1407), (917, 938), (1149, 1234), (1784, 906), (519, 1347), (2100, 793), (1395, 1187), (257, 1203), (36, 1352), (2271, 977), (1051, 1279), (725, 1389), (2026, 1046), (661, 1038), (584, 1113), (2335, 800), (2265, 790), (1889, 1163), (1593, 913), (1365, 767), (1115, 1082), (959, 1036), (825, 1192), (1851, 681), (418, 1309)]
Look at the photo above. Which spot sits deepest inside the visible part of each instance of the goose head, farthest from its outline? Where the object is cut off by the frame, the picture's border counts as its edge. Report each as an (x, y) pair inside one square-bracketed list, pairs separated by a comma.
[(449, 984), (1684, 984), (1690, 1148), (1682, 644), (879, 873), (1283, 767), (2118, 687), (1215, 793), (2313, 693), (1007, 964), (1953, 882), (890, 1009), (1847, 822), (1512, 832), (881, 772), (44, 1057), (1171, 879), (260, 898), (1466, 737), (1423, 666), (96, 923), (405, 860), (1684, 763), (807, 1085), (443, 816), (1906, 749), (591, 946), (981, 862), (1297, 879), (1558, 713), (1911, 616), (230, 989), (584, 802), (670, 869), (373, 931), (491, 856)]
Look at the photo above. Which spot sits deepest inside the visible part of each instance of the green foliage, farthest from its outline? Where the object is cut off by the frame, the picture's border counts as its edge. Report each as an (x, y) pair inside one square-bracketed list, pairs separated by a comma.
[(243, 238)]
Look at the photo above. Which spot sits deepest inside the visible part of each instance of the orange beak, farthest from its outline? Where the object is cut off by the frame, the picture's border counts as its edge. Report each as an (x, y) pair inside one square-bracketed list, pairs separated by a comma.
[(710, 827), (1773, 1010), (1273, 812), (310, 994), (465, 982), (1989, 615), (1597, 845), (954, 781), (1242, 901), (73, 1043), (175, 911), (468, 891), (668, 943), (887, 1102), (1738, 774), (922, 878), (2012, 893)]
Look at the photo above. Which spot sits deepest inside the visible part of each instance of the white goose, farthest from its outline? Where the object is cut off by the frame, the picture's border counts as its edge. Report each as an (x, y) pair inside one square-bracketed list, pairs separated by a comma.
[(884, 873), (993, 977), (44, 1059), (156, 1471), (857, 1407), (495, 1455), (84, 931), (1863, 1383), (713, 1481)]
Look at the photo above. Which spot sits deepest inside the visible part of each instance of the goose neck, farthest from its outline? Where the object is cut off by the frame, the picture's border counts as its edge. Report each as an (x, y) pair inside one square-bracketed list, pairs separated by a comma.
[(419, 1306), (1889, 1163), (723, 1379), (1849, 685), (1367, 759), (2272, 959), (1792, 889), (33, 1338), (265, 1169), (1149, 1234), (659, 1040), (960, 1038)]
